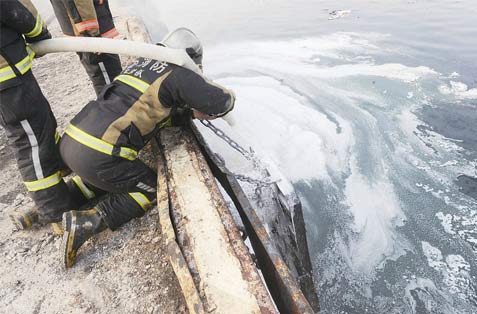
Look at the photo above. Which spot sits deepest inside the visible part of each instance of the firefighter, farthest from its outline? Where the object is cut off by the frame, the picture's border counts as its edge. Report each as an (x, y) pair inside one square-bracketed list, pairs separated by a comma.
[(103, 140), (26, 116), (90, 18)]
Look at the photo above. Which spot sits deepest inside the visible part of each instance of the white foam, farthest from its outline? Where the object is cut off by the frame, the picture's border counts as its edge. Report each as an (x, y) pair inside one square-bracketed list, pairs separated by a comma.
[(422, 284), (341, 45), (376, 211), (454, 75), (454, 268), (446, 222), (294, 58), (275, 83), (433, 299), (283, 126), (279, 126), (459, 90)]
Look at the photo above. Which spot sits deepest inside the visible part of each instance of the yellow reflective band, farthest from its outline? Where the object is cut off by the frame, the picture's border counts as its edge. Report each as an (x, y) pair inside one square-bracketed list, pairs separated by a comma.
[(57, 137), (5, 69), (97, 144), (127, 153), (134, 82), (30, 51), (44, 183), (83, 188), (23, 66), (166, 123), (142, 200), (7, 74), (37, 29)]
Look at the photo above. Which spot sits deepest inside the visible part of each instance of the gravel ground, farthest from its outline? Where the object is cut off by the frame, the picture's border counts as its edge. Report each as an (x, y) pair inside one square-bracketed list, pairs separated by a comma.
[(125, 271)]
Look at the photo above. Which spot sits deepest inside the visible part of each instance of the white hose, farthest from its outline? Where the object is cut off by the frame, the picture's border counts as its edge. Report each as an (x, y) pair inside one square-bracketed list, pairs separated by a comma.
[(124, 47)]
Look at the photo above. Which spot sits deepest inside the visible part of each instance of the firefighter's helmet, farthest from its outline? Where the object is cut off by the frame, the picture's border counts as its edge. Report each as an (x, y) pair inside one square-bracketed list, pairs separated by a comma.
[(184, 38)]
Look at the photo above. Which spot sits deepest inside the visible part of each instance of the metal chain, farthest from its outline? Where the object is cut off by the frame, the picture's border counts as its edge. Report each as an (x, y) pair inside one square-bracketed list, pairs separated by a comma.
[(259, 184), (248, 155)]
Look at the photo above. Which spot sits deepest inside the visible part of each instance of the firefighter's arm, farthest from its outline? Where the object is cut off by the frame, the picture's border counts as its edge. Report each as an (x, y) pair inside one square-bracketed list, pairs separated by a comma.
[(200, 94), (22, 16), (84, 16)]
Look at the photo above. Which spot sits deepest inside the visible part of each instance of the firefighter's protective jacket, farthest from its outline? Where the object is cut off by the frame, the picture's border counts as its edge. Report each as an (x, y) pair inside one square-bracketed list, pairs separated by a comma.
[(19, 22), (134, 106)]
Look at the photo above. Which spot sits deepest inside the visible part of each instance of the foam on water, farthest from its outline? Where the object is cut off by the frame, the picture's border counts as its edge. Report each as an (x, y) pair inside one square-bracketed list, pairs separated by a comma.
[(376, 211), (423, 296), (279, 124), (285, 126), (305, 106), (454, 269), (458, 89)]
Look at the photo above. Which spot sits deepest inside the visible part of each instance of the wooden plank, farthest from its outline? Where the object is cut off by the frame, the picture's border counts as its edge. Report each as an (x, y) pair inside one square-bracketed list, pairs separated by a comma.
[(285, 289), (221, 266), (176, 259), (135, 29)]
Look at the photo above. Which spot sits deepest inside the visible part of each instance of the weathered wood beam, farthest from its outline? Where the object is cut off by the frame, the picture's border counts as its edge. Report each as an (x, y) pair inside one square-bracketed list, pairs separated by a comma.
[(221, 266)]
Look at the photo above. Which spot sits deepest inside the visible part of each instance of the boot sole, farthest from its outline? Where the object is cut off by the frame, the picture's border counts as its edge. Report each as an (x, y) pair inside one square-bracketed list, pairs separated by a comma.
[(17, 226), (68, 255), (20, 222)]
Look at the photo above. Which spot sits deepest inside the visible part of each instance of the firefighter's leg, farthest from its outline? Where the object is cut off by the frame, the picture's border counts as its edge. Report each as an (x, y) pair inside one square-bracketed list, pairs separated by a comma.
[(112, 212), (63, 18), (133, 193), (117, 209), (31, 131), (82, 193), (103, 68)]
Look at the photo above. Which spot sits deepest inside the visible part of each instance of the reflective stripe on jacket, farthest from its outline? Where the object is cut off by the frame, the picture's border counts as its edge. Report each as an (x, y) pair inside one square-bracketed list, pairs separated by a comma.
[(7, 73), (139, 101), (19, 22), (99, 145)]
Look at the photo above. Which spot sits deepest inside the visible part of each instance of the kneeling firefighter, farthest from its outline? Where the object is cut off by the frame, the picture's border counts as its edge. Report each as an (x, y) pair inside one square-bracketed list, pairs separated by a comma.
[(27, 117), (102, 142)]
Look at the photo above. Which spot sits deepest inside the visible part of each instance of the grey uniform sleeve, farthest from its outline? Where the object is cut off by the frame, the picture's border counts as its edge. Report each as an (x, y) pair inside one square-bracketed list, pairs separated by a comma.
[(188, 88)]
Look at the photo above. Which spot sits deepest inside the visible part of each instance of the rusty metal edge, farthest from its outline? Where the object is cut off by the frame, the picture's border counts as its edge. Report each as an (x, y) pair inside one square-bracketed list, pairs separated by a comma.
[(283, 287), (176, 257)]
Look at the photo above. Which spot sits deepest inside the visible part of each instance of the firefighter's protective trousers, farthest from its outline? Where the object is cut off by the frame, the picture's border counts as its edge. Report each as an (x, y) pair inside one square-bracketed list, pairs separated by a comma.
[(91, 18), (25, 114), (31, 130), (124, 189)]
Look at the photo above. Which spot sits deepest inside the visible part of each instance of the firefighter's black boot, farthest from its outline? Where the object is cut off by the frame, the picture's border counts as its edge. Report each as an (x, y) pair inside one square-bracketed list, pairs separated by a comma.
[(78, 227), (25, 219)]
